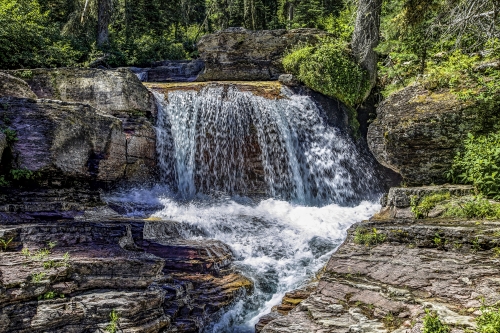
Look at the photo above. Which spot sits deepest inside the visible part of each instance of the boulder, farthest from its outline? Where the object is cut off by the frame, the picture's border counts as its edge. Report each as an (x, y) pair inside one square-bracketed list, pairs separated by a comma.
[(115, 92), (13, 86), (240, 54), (418, 132), (72, 141)]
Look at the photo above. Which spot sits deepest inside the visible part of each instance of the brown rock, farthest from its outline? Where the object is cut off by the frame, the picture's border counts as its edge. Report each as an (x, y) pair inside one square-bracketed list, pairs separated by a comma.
[(240, 54)]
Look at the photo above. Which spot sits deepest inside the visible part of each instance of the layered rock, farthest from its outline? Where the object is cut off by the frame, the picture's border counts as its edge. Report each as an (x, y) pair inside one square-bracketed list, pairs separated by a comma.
[(240, 54), (72, 275), (418, 132), (90, 128), (385, 284), (115, 92)]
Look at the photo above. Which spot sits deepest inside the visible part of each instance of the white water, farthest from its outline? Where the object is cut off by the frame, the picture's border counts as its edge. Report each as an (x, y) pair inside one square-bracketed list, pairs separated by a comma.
[(317, 184), (276, 244)]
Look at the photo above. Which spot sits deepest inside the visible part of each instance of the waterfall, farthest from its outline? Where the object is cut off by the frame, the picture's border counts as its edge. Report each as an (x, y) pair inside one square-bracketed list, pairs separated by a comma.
[(273, 179), (221, 139)]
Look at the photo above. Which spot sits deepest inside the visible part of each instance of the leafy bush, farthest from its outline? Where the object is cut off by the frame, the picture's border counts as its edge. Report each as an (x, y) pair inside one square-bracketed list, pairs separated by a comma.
[(489, 320), (29, 39), (23, 174), (368, 237), (479, 164), (10, 135), (432, 323), (478, 207), (329, 69), (421, 208), (151, 48)]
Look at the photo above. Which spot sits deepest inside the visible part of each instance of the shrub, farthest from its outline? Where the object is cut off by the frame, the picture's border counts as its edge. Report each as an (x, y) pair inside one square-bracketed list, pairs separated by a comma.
[(10, 135), (113, 324), (479, 164), (368, 237), (432, 323), (421, 208), (329, 69), (489, 320), (478, 207)]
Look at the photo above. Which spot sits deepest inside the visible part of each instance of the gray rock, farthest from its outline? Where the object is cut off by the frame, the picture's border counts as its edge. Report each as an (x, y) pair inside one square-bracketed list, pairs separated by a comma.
[(14, 87), (288, 80), (418, 132)]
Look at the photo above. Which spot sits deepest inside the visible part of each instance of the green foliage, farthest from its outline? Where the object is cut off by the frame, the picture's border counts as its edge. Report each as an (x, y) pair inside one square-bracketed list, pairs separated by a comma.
[(29, 39), (113, 324), (478, 207), (3, 181), (432, 323), (489, 320), (368, 237), (5, 243), (479, 164), (421, 208), (48, 295), (10, 135), (23, 174), (329, 69), (38, 277)]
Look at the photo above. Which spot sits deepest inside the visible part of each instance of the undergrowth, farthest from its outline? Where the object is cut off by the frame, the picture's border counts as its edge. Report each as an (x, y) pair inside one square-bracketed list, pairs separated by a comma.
[(479, 164), (432, 323), (489, 320), (368, 237), (422, 207)]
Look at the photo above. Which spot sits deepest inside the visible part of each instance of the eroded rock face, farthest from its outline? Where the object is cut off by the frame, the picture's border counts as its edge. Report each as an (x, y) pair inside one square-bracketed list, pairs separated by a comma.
[(170, 71), (114, 92), (240, 54), (418, 132), (385, 287), (96, 128), (74, 141), (15, 87), (164, 284)]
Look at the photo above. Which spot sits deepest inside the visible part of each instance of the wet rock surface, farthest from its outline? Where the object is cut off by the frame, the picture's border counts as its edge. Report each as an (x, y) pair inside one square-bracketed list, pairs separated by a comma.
[(442, 264), (73, 273), (240, 54), (170, 71), (418, 132)]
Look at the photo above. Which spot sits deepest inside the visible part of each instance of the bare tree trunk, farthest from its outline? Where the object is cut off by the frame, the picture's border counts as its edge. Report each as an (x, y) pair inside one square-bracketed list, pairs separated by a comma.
[(103, 20), (366, 36)]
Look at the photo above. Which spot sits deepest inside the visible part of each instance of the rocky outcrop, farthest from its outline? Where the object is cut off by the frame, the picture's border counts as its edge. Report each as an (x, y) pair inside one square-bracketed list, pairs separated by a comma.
[(69, 141), (170, 71), (115, 92), (15, 87), (418, 132), (385, 283), (89, 128), (71, 275), (240, 54)]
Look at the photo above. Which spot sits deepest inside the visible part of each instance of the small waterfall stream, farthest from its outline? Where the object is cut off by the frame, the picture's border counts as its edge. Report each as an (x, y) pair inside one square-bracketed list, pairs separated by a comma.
[(269, 177)]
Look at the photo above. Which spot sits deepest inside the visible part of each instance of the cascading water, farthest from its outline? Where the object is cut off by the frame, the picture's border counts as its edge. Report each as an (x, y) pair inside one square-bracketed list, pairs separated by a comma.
[(220, 139), (270, 178)]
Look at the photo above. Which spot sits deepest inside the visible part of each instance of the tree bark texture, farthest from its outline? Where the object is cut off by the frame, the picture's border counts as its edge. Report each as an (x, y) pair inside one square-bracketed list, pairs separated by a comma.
[(366, 36), (103, 20)]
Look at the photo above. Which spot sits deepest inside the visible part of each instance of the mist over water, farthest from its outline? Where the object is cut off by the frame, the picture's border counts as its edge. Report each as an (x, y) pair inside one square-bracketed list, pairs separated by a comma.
[(270, 178)]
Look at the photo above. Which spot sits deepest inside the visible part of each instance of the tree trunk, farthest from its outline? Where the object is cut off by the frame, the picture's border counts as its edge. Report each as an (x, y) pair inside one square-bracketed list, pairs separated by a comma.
[(366, 36), (103, 20)]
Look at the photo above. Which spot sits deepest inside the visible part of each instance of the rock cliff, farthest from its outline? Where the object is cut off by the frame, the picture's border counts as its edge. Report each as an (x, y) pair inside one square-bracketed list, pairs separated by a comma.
[(418, 132), (240, 54)]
